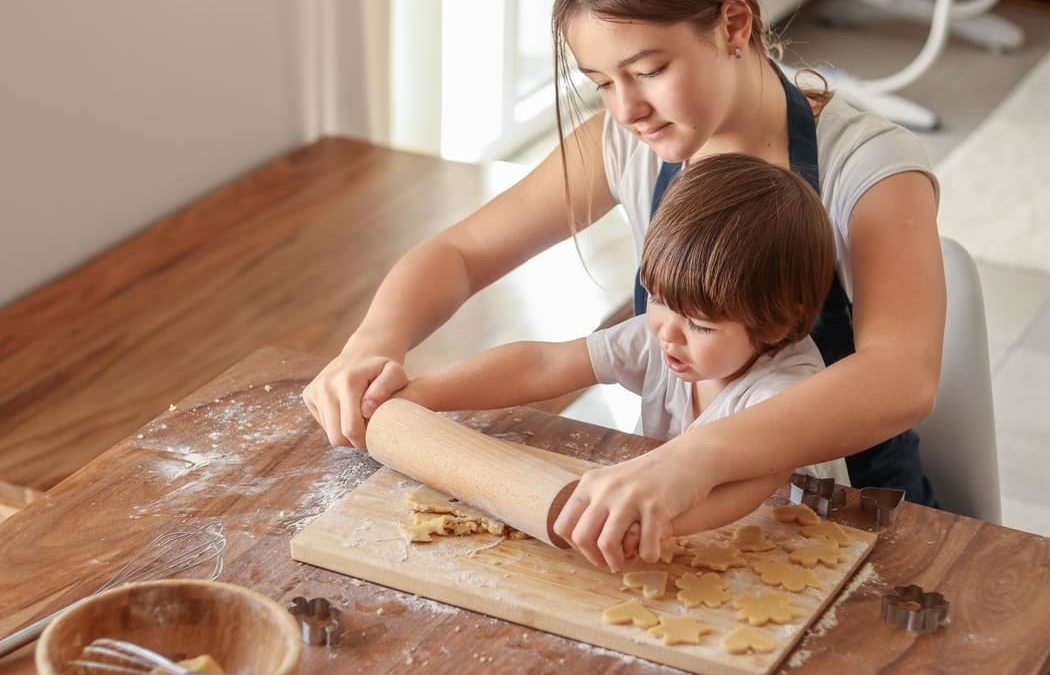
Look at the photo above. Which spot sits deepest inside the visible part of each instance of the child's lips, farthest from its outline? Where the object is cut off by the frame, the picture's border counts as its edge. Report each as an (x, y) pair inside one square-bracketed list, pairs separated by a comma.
[(674, 364)]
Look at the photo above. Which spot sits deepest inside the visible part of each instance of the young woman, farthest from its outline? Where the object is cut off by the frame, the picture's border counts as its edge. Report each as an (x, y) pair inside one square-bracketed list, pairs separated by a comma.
[(680, 80)]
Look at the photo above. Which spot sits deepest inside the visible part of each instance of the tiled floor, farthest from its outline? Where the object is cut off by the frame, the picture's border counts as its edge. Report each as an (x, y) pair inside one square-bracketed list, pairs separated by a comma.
[(1017, 302)]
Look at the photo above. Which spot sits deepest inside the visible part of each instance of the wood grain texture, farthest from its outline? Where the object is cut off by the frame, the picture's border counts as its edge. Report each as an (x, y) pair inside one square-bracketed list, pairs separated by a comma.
[(533, 584), (254, 460), (289, 255)]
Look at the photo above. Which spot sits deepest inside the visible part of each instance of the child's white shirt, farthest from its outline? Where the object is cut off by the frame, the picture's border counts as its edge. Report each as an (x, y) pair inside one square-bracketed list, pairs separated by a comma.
[(628, 354)]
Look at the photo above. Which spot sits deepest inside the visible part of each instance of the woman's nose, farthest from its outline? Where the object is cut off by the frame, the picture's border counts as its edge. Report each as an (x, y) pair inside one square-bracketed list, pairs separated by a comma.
[(630, 107)]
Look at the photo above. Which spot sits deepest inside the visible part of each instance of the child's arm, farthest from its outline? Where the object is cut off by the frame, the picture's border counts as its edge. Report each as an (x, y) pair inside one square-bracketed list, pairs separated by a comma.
[(511, 374)]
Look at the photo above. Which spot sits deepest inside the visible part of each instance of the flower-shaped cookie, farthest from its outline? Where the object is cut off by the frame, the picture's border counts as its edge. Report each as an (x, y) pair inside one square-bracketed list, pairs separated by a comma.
[(823, 551), (718, 558), (799, 513), (791, 577), (760, 608), (708, 589), (827, 530), (631, 611)]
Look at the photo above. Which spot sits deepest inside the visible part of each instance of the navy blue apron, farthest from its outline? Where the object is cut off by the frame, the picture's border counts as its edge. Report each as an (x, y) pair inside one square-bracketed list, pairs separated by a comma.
[(892, 463)]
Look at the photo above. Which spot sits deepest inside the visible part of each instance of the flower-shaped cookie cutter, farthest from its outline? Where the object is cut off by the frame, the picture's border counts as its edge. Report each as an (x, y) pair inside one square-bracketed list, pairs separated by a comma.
[(320, 623), (915, 610), (822, 495), (881, 503)]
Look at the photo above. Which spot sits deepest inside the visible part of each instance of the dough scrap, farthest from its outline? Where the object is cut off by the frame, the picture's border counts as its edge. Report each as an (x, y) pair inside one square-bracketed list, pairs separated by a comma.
[(828, 530), (653, 584), (680, 630), (631, 611), (760, 608), (791, 577), (435, 513), (708, 589), (751, 538), (799, 513), (717, 558), (825, 551), (672, 547), (744, 638)]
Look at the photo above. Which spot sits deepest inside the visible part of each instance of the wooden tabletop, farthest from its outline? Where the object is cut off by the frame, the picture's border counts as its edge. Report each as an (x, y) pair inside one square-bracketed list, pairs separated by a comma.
[(244, 451)]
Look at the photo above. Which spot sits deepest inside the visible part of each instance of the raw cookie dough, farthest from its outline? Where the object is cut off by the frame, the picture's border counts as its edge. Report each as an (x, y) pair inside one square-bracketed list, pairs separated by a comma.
[(760, 608), (791, 577), (718, 558), (751, 538), (825, 551), (631, 611), (435, 513), (799, 513), (680, 630), (746, 637), (827, 530), (708, 589), (653, 584), (669, 548)]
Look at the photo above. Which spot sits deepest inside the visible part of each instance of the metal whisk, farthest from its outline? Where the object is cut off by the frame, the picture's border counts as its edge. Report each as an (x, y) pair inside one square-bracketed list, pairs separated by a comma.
[(117, 656), (170, 555)]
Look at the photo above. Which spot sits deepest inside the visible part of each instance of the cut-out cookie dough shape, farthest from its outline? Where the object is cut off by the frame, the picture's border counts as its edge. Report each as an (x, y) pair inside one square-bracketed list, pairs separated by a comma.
[(744, 638), (828, 530), (672, 547), (751, 538), (653, 584), (631, 611), (760, 608), (717, 558), (796, 513), (791, 577), (824, 551), (708, 589), (680, 630)]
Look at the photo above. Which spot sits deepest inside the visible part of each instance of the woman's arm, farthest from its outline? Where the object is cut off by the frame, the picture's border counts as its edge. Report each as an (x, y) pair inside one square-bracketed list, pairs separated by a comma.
[(511, 374), (428, 284)]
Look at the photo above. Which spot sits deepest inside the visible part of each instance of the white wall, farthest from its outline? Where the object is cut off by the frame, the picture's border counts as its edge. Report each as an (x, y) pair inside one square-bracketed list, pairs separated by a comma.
[(114, 113)]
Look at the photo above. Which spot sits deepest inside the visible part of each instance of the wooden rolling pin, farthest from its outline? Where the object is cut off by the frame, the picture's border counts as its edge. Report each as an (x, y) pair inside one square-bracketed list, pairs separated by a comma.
[(518, 487)]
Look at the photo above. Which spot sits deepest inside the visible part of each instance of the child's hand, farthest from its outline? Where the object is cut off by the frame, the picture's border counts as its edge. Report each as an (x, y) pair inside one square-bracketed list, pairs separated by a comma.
[(391, 380), (651, 490)]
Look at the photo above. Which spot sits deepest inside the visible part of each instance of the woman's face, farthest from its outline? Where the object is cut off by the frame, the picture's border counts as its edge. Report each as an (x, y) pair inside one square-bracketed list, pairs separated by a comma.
[(665, 83)]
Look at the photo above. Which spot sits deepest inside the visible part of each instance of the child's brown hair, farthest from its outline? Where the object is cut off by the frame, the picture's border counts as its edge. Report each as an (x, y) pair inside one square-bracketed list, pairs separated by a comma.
[(739, 239)]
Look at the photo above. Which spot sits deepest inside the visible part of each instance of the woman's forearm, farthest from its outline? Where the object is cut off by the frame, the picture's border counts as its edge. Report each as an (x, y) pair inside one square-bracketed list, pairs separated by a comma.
[(856, 403), (728, 503)]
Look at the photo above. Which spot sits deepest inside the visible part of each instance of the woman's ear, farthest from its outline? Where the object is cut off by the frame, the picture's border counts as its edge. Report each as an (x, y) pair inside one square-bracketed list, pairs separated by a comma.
[(737, 18)]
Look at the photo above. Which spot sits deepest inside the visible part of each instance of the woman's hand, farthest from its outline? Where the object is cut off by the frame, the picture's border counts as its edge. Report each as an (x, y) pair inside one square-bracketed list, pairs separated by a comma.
[(652, 490), (348, 390)]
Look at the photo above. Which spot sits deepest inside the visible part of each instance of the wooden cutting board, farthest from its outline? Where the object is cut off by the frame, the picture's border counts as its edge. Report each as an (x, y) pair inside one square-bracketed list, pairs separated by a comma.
[(533, 584)]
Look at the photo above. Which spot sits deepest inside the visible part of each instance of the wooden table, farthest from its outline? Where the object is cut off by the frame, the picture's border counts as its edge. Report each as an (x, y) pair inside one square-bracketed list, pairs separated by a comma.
[(243, 450)]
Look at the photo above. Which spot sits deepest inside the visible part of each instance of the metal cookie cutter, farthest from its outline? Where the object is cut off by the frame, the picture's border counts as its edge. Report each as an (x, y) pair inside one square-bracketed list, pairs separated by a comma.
[(881, 503), (320, 623), (915, 610), (820, 494)]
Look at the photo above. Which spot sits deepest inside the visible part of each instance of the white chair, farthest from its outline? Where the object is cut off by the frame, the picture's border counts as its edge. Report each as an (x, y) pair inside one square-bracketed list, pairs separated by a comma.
[(958, 439)]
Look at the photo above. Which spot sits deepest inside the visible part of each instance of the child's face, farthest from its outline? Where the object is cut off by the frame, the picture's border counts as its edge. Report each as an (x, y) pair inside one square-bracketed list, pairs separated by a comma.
[(697, 349)]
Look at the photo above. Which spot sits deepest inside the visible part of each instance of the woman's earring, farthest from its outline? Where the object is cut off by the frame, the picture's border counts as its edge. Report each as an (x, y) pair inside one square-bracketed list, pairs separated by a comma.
[(739, 53)]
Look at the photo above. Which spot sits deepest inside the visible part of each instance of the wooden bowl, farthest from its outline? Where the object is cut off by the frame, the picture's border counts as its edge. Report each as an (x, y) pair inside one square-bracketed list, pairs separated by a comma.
[(244, 631)]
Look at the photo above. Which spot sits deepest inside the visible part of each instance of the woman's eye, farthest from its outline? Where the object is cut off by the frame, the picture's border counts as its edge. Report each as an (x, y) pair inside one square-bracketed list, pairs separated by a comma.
[(602, 85), (652, 73)]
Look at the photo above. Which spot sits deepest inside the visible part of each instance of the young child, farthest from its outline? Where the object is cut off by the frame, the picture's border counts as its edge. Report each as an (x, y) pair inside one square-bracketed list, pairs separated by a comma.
[(737, 262)]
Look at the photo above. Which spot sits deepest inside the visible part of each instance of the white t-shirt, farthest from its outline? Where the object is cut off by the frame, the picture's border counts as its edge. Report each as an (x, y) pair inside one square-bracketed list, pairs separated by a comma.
[(628, 354), (855, 151)]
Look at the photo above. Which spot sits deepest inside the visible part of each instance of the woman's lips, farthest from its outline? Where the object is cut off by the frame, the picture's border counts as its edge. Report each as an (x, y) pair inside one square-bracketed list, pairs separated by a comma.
[(657, 134), (674, 364)]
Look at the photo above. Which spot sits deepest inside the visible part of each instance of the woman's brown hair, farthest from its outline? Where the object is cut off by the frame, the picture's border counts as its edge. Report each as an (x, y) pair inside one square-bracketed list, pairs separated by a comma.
[(739, 239)]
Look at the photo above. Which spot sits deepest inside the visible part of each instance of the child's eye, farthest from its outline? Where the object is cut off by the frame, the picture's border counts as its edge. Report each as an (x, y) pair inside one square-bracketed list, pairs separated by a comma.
[(652, 73), (697, 328)]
